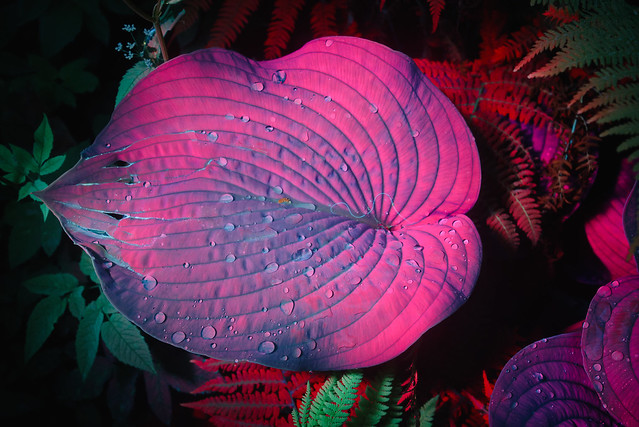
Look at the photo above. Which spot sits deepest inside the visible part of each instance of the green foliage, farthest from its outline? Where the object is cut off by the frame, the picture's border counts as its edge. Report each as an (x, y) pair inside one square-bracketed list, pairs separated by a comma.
[(338, 398), (126, 343), (602, 39), (427, 412), (130, 78)]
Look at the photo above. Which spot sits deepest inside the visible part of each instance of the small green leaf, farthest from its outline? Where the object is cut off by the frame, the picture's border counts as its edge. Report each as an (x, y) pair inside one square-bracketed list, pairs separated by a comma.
[(52, 165), (130, 78), (8, 163), (25, 190), (45, 211), (75, 78), (104, 305), (126, 343), (41, 322), (86, 267), (57, 284), (87, 339), (51, 235), (77, 302), (43, 137), (25, 159)]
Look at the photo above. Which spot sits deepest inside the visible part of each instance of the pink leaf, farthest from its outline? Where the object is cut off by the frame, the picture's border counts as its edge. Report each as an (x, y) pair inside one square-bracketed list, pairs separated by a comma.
[(611, 348), (303, 213)]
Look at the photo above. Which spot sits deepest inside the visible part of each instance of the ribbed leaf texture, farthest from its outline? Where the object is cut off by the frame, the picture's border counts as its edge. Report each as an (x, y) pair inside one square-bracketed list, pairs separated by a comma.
[(610, 347), (546, 384), (304, 213)]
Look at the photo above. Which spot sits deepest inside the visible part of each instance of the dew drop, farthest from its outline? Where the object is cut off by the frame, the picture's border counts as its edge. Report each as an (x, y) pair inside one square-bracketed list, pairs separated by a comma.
[(604, 291), (615, 283), (412, 263), (266, 347), (616, 355), (454, 246), (245, 119), (287, 306), (279, 77), (186, 265), (598, 386), (415, 133), (212, 136), (298, 101), (208, 332), (222, 161), (585, 325), (212, 243), (226, 198), (302, 254), (329, 43), (596, 367), (329, 293), (264, 309), (293, 219), (373, 108), (269, 128), (538, 376), (178, 337), (309, 271), (327, 98), (128, 198), (146, 184), (297, 352), (257, 87), (267, 219), (229, 116), (230, 258), (344, 167), (278, 190), (457, 223), (160, 317), (229, 227), (213, 345), (272, 267), (149, 282)]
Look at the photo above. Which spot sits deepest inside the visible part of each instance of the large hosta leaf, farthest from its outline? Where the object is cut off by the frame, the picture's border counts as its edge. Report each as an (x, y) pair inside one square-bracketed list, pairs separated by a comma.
[(545, 384), (303, 213), (610, 344)]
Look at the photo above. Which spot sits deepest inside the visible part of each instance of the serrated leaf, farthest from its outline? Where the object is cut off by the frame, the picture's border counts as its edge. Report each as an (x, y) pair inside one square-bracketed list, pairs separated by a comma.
[(24, 159), (50, 236), (126, 343), (77, 303), (87, 339), (57, 284), (25, 190), (7, 161), (43, 141), (41, 322), (76, 78), (38, 185), (86, 267), (130, 78), (52, 165)]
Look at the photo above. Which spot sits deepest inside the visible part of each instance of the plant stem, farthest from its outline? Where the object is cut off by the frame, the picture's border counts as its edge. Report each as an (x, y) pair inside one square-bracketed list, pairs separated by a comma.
[(157, 11)]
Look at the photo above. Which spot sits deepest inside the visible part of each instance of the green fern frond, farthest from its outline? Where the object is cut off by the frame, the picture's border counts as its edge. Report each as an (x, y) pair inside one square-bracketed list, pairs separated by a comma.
[(630, 128), (343, 398), (630, 143), (427, 412), (616, 112), (622, 93), (372, 408), (300, 418)]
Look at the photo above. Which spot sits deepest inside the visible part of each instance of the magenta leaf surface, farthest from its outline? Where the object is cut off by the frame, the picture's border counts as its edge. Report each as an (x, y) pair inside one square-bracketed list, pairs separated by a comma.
[(605, 230), (305, 213), (610, 343), (545, 384)]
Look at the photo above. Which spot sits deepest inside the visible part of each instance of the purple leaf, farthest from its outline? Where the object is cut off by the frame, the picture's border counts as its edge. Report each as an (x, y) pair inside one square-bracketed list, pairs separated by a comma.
[(605, 230), (610, 344), (545, 384), (303, 213)]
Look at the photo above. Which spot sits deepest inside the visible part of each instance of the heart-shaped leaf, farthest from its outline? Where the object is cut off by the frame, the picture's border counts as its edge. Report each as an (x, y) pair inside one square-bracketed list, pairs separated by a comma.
[(303, 213), (611, 347), (545, 384)]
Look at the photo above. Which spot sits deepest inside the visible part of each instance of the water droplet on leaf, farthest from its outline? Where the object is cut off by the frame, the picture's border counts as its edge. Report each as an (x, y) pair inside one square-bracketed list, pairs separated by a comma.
[(178, 337), (257, 86), (266, 347), (208, 332), (149, 282), (287, 306), (160, 317), (272, 267), (226, 198), (230, 258)]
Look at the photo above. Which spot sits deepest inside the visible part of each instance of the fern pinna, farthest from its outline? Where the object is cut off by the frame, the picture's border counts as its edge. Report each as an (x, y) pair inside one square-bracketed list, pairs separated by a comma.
[(535, 163), (244, 393)]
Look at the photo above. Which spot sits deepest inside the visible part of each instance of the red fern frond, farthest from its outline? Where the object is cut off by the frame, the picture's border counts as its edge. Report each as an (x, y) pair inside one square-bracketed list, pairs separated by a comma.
[(231, 19), (323, 19), (525, 210), (516, 45), (560, 15), (436, 7), (281, 26)]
